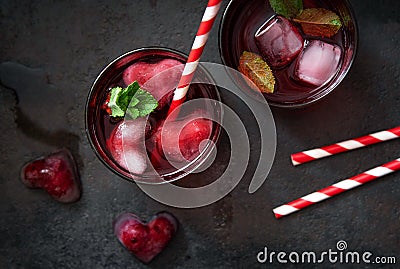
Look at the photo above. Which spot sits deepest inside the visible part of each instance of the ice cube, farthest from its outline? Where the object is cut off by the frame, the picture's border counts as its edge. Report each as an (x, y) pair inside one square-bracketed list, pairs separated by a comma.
[(56, 173), (318, 62), (160, 78), (143, 71), (135, 160), (126, 145), (166, 77), (279, 41), (180, 140)]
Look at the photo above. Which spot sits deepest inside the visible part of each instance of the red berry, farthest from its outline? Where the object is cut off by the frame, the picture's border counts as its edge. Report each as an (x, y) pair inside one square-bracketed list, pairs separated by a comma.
[(105, 105)]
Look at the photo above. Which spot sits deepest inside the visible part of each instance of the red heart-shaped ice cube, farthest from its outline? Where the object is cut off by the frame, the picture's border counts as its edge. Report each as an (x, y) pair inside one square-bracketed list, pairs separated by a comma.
[(145, 240), (180, 140), (159, 78), (56, 174)]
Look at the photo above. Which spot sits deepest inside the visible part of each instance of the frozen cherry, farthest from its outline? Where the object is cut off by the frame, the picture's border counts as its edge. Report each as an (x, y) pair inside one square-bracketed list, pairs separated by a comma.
[(145, 240), (56, 174)]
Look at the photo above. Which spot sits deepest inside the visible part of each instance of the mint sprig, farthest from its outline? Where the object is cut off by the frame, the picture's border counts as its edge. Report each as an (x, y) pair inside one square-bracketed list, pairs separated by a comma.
[(131, 101), (287, 8), (319, 22)]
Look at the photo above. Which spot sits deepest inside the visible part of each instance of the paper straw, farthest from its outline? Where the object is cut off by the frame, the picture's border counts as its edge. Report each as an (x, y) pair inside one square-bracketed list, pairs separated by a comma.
[(195, 53), (337, 188), (318, 153)]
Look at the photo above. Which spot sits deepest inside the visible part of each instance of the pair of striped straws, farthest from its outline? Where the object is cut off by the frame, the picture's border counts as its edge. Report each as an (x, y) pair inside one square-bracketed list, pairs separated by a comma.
[(344, 185)]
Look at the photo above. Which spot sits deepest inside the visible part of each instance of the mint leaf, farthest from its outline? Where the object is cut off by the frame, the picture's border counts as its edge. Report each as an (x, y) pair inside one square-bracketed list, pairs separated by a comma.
[(336, 22), (319, 22), (253, 66), (145, 105), (287, 8), (114, 104), (134, 102), (133, 113), (131, 101)]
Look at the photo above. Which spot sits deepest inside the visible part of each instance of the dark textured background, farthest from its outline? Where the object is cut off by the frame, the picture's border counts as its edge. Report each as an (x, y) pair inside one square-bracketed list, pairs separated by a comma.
[(67, 43)]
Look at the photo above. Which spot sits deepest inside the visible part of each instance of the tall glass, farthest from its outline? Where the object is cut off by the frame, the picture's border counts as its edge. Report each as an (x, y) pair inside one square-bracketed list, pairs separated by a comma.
[(99, 125)]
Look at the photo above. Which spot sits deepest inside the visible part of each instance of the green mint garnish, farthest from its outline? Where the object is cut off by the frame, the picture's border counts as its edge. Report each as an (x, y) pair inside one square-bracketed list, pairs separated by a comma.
[(336, 22), (287, 8), (131, 101), (319, 22)]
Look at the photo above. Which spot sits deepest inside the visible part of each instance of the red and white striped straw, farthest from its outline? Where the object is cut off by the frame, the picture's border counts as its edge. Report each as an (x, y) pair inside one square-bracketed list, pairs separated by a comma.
[(318, 153), (337, 188), (194, 56)]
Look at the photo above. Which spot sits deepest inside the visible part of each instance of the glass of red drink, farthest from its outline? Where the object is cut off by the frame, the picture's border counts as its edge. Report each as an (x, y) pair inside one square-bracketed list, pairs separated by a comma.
[(102, 129), (243, 27)]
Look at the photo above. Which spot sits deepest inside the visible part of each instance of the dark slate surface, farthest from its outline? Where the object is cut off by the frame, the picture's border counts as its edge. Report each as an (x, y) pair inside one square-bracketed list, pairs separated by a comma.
[(64, 44)]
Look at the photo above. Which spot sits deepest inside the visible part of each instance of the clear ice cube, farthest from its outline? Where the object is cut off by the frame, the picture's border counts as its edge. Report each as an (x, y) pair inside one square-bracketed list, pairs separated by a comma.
[(278, 41), (126, 145), (318, 62), (135, 160)]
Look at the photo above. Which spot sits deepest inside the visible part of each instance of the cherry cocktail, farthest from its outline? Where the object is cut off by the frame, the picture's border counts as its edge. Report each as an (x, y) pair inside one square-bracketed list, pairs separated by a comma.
[(126, 112), (295, 52)]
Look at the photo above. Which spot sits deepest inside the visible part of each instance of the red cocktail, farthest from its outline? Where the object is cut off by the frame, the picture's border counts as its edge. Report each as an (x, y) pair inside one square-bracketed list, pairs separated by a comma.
[(142, 148), (308, 52)]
